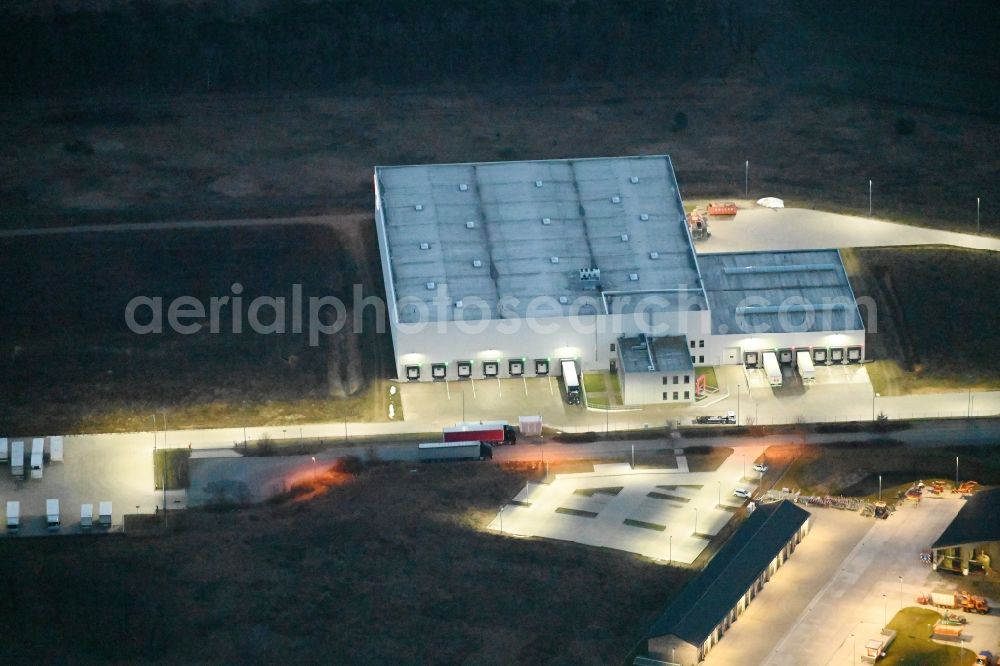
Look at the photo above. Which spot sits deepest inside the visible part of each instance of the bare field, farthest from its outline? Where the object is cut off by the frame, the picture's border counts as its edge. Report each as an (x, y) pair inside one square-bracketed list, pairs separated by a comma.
[(203, 157), (934, 330), (77, 367), (393, 567)]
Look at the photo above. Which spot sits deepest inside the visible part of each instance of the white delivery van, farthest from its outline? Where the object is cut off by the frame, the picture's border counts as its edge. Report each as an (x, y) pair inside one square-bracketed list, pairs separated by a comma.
[(86, 515), (13, 515), (55, 448), (37, 456), (17, 459), (52, 514), (104, 514)]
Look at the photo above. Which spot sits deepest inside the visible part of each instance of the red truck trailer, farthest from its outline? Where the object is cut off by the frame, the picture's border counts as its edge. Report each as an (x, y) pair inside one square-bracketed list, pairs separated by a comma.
[(496, 433)]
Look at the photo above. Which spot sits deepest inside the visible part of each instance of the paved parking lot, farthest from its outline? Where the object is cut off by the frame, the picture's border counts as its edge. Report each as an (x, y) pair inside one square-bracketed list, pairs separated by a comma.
[(104, 471), (882, 574), (665, 514)]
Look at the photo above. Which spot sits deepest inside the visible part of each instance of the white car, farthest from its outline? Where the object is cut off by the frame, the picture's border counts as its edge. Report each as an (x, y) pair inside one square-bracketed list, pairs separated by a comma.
[(742, 493), (760, 467)]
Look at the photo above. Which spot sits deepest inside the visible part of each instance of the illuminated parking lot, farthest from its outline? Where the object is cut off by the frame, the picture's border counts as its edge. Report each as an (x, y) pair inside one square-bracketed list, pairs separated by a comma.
[(665, 514)]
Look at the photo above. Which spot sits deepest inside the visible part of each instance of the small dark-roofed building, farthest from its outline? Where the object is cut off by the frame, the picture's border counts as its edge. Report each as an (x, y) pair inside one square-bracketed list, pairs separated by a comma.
[(655, 370), (971, 543), (705, 609)]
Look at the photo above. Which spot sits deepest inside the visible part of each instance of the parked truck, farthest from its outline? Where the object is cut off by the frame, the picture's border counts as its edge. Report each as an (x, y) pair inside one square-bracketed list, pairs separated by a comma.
[(572, 381), (495, 433), (729, 418), (37, 457), (806, 368), (772, 368), (452, 451), (944, 600), (4, 450), (52, 514), (86, 516), (104, 514), (13, 515), (17, 459), (55, 448)]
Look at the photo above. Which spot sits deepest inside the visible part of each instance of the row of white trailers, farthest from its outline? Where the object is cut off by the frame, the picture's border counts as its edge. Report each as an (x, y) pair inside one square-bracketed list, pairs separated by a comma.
[(804, 360), (53, 518), (13, 452)]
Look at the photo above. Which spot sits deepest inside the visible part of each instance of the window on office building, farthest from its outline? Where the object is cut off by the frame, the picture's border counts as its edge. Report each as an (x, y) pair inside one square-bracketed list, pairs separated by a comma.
[(687, 379), (701, 343), (676, 379), (664, 395), (687, 395), (612, 346), (675, 395), (701, 359)]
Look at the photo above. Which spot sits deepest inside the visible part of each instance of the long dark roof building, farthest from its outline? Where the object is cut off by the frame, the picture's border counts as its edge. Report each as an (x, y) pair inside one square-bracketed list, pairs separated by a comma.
[(708, 599), (978, 521)]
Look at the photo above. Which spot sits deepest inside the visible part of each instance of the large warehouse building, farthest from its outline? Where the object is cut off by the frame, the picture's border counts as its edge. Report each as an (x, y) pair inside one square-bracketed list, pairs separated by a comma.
[(971, 543), (505, 269)]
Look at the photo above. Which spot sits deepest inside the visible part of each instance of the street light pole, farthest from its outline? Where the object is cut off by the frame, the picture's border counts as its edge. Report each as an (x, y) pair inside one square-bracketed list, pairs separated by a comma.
[(977, 215), (956, 472), (746, 181), (501, 518), (720, 493), (869, 197), (900, 592), (696, 521), (671, 548), (879, 487), (885, 611)]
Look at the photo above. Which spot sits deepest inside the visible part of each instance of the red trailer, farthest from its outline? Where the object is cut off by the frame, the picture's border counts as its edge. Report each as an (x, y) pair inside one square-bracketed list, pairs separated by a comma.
[(491, 432)]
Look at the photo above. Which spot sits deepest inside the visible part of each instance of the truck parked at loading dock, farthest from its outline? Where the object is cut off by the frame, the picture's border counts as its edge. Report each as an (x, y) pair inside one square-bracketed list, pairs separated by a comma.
[(806, 368), (571, 380), (37, 457), (17, 459), (772, 369)]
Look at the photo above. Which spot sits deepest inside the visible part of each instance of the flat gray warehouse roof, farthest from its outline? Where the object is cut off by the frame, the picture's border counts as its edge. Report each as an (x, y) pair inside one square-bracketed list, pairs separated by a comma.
[(664, 354), (801, 291), (481, 240)]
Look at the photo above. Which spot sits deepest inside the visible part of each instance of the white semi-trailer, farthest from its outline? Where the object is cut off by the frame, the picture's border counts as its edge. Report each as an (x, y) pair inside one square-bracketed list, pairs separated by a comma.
[(86, 515), (13, 515), (772, 368), (4, 450), (571, 380), (52, 514), (55, 448), (17, 458), (806, 368), (444, 451), (37, 457)]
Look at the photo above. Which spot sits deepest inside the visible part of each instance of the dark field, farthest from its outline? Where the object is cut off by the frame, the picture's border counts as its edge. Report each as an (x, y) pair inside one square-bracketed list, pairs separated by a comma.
[(77, 366), (936, 324), (392, 568), (854, 471)]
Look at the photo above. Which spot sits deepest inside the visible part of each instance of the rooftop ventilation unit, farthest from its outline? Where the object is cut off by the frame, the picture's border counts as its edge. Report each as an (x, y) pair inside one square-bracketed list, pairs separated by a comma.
[(463, 187), (554, 260), (418, 207), (590, 274), (546, 220), (644, 217), (538, 183), (616, 199), (654, 255), (425, 246), (633, 179), (624, 237), (477, 263), (634, 277), (564, 299), (458, 303), (471, 224), (431, 286), (789, 308)]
